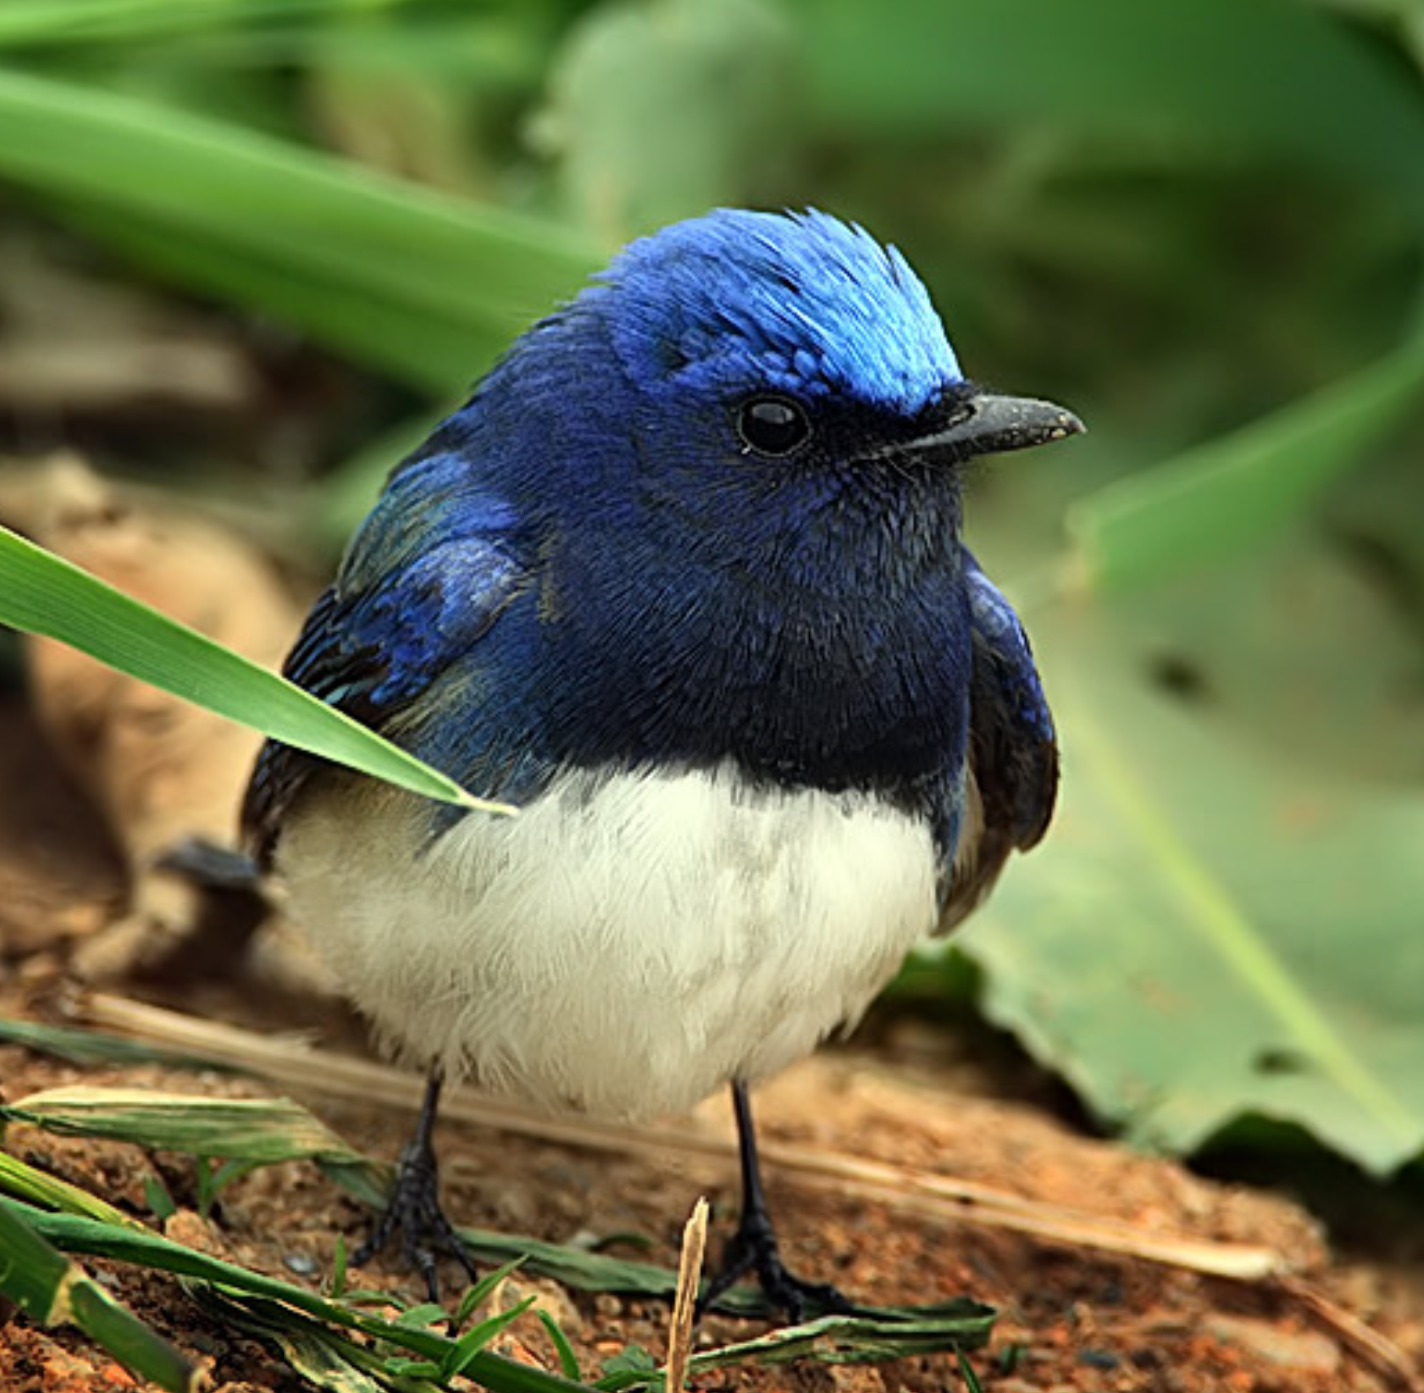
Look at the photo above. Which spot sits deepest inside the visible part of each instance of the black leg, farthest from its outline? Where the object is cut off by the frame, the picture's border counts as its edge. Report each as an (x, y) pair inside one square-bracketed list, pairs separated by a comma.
[(753, 1247), (414, 1205)]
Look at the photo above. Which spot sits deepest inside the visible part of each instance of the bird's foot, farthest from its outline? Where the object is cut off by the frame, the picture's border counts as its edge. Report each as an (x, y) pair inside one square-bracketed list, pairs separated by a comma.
[(753, 1249), (414, 1210)]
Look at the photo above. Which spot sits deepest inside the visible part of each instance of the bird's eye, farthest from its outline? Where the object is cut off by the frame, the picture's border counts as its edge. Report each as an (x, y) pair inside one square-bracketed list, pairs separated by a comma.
[(773, 425)]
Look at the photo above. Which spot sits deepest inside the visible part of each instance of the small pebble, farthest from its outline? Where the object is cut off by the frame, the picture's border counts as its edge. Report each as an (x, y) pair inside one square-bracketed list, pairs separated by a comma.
[(303, 1264), (1098, 1359)]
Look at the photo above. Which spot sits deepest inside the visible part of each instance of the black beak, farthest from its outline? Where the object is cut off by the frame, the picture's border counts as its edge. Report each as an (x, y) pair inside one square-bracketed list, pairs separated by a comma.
[(980, 423)]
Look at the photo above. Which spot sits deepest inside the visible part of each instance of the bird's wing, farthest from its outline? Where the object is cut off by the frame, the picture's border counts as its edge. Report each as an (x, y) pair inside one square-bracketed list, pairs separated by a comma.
[(428, 574), (1012, 778)]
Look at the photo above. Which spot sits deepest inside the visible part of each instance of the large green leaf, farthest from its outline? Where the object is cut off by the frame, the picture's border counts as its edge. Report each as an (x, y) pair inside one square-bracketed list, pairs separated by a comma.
[(1211, 929)]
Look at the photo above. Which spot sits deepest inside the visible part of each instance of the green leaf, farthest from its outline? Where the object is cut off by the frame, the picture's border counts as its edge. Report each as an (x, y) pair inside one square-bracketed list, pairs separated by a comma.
[(1241, 488), (41, 593), (1210, 930), (352, 256), (52, 1290), (1189, 71)]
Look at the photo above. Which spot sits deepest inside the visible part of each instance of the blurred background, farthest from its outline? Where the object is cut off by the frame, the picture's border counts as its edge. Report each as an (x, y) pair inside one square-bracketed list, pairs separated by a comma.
[(250, 250)]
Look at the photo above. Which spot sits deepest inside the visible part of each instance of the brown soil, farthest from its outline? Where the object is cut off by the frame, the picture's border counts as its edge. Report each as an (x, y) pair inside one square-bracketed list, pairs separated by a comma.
[(943, 1098)]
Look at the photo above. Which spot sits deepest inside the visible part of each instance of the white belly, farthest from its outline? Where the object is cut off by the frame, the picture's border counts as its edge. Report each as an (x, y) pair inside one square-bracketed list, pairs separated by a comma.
[(624, 945)]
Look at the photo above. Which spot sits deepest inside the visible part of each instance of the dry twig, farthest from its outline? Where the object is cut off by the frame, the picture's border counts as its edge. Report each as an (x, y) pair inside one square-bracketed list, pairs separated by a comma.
[(684, 1306), (295, 1064)]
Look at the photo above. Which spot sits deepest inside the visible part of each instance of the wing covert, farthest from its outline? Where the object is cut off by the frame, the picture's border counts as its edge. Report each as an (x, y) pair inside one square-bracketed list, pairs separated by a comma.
[(1012, 776), (428, 574)]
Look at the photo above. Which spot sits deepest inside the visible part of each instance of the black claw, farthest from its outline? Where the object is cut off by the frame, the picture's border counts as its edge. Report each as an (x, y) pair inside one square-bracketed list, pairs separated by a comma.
[(753, 1248), (414, 1207)]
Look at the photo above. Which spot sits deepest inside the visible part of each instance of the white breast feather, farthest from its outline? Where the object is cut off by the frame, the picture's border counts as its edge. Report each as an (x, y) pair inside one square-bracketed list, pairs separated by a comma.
[(626, 944)]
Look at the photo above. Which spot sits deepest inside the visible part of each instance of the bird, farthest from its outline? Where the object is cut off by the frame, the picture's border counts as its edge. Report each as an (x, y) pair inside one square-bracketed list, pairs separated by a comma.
[(684, 582)]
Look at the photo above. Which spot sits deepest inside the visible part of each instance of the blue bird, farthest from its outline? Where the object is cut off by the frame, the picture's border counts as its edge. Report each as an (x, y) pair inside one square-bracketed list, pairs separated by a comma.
[(684, 580)]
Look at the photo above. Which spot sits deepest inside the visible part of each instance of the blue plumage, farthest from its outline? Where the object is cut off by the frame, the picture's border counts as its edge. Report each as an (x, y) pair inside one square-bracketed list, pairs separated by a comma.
[(698, 532)]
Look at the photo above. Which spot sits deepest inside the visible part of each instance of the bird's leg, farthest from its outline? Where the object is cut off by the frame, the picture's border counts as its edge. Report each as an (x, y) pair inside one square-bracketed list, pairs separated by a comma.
[(414, 1205), (753, 1247)]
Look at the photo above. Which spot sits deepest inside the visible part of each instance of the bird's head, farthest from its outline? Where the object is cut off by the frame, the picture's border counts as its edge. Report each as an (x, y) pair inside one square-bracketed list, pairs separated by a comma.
[(797, 354)]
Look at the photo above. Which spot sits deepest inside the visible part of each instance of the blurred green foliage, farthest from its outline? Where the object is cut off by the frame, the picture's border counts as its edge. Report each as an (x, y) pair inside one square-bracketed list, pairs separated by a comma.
[(1198, 222)]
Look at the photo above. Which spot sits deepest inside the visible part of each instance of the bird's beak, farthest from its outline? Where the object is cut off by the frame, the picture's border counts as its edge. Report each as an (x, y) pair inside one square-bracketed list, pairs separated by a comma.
[(981, 423)]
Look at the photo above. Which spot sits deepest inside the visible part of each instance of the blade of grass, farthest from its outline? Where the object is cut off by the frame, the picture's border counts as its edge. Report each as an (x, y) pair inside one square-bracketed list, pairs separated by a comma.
[(477, 1337), (1233, 490), (53, 1290), (372, 242), (482, 1290), (966, 1372), (41, 593), (37, 1187), (404, 342), (96, 1047), (25, 23), (568, 1360)]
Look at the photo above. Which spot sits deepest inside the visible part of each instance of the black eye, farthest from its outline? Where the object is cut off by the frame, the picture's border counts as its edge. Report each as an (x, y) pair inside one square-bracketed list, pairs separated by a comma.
[(773, 425)]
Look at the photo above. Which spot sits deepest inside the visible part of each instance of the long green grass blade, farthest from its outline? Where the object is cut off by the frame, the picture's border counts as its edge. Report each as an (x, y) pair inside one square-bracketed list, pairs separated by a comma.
[(1241, 487), (41, 593), (315, 240), (28, 23), (53, 1290), (433, 355), (96, 1047)]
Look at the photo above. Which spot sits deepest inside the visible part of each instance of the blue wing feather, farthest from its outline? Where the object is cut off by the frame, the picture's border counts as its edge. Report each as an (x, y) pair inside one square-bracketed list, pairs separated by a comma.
[(1013, 753), (425, 578)]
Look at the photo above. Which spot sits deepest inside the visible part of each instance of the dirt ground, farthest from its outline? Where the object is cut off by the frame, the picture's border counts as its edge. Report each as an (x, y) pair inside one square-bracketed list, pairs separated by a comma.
[(944, 1097)]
